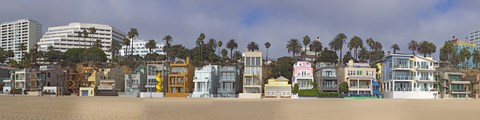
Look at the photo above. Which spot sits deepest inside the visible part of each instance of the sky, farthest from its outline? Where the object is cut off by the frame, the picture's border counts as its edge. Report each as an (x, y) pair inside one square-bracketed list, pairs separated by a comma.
[(275, 21)]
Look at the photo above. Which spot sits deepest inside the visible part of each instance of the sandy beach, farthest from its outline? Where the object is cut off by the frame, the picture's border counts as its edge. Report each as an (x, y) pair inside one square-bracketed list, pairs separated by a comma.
[(129, 108)]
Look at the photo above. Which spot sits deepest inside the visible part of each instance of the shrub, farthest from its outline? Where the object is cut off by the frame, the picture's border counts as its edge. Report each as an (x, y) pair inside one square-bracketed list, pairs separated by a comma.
[(25, 92), (16, 91), (308, 93), (328, 94), (343, 87), (295, 88)]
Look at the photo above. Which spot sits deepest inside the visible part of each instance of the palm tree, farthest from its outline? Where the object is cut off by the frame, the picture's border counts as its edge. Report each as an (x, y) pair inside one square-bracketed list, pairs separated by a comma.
[(413, 46), (98, 44), (132, 34), (306, 41), (316, 47), (431, 49), (293, 46), (85, 35), (126, 42), (476, 57), (213, 44), (10, 53), (267, 45), (199, 43), (395, 47), (337, 43), (464, 56), (224, 53), (115, 47), (168, 40), (232, 44), (448, 51), (423, 48), (252, 46), (219, 43), (363, 54), (79, 35), (92, 31), (151, 44), (22, 48), (355, 43)]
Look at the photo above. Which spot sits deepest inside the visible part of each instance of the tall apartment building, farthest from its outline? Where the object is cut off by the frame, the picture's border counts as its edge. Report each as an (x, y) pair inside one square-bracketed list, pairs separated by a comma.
[(474, 37), (66, 37), (14, 33), (252, 75), (139, 48)]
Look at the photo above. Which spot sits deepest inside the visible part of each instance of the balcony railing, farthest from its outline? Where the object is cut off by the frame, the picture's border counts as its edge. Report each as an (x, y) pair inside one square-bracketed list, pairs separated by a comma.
[(404, 78)]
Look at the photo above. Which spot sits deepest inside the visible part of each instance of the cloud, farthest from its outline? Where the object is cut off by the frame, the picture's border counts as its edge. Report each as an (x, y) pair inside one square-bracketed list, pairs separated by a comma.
[(276, 21)]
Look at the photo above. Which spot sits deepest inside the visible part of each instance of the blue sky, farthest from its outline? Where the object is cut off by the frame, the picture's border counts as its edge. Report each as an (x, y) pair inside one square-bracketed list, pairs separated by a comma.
[(276, 21)]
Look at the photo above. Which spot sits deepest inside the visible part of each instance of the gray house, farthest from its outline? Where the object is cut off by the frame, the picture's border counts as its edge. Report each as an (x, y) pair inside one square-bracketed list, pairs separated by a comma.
[(326, 77), (229, 83)]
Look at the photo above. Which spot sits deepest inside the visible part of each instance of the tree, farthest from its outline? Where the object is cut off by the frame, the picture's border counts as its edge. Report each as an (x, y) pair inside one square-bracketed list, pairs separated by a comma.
[(98, 44), (476, 58), (237, 56), (426, 47), (347, 57), (267, 45), (337, 43), (252, 46), (296, 87), (151, 44), (3, 55), (219, 44), (316, 47), (85, 36), (232, 44), (344, 88), (448, 51), (126, 42), (464, 56), (168, 40), (328, 56), (413, 46), (306, 41), (363, 54), (224, 53), (92, 31), (443, 55), (282, 67), (10, 53), (395, 47), (293, 46), (213, 43), (53, 55), (22, 48), (131, 35), (199, 43), (115, 47), (355, 43)]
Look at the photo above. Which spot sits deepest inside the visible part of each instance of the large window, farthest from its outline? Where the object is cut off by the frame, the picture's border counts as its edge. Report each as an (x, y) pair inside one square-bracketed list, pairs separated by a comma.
[(353, 84)]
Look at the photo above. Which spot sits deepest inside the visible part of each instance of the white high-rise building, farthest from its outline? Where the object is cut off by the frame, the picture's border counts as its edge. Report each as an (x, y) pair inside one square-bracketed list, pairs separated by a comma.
[(14, 33), (139, 48), (63, 38), (474, 38)]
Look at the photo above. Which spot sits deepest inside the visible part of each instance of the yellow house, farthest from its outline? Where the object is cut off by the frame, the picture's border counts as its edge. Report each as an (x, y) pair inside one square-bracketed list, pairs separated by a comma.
[(89, 89), (278, 88), (180, 78)]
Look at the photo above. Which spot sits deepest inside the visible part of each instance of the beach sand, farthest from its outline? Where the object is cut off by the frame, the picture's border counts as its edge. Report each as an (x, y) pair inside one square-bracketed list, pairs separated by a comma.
[(130, 108)]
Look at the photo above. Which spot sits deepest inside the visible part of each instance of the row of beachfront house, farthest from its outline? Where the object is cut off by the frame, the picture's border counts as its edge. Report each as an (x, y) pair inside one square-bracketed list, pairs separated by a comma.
[(401, 76)]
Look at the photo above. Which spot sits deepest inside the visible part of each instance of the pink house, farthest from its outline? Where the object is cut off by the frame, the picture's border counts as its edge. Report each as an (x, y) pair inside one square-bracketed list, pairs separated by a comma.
[(303, 75)]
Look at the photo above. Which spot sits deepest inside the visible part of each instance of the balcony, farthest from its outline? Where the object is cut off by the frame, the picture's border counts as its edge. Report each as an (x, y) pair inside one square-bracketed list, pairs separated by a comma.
[(227, 90), (106, 87), (404, 78), (400, 66)]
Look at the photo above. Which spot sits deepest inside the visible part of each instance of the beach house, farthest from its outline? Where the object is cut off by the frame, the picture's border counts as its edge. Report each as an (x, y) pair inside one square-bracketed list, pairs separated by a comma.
[(359, 77), (180, 78), (206, 81), (303, 75), (229, 79), (252, 75), (326, 77), (278, 88)]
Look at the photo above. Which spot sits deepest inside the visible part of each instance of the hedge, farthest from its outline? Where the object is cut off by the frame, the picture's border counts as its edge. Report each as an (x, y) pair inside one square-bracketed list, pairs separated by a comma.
[(308, 93), (328, 94)]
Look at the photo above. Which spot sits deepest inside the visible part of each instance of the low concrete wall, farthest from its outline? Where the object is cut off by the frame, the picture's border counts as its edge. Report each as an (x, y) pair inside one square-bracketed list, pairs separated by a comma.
[(410, 95), (250, 95), (151, 94)]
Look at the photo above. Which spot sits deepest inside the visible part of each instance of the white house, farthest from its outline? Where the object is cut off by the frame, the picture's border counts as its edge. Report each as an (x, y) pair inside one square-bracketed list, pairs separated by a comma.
[(206, 81), (409, 77)]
